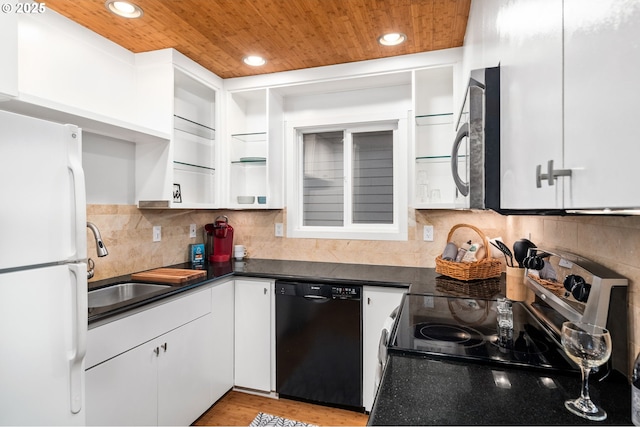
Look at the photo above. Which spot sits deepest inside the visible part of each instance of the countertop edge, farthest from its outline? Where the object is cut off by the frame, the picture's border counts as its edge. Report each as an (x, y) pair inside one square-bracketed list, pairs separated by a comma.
[(228, 271)]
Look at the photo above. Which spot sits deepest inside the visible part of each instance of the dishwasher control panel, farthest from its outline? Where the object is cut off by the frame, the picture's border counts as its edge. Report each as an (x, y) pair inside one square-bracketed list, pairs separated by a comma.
[(315, 290), (346, 292)]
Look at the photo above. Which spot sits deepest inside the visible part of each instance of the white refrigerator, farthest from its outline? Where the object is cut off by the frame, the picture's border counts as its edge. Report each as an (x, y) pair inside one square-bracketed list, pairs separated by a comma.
[(43, 273)]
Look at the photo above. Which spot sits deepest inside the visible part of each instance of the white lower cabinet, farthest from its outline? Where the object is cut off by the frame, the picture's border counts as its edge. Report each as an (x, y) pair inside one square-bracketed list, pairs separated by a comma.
[(166, 381), (222, 297), (377, 304), (138, 376), (168, 364), (123, 390), (254, 334), (185, 373)]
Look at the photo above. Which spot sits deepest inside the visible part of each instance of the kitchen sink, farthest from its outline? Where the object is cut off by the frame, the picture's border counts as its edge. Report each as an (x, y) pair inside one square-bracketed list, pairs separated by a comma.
[(121, 292)]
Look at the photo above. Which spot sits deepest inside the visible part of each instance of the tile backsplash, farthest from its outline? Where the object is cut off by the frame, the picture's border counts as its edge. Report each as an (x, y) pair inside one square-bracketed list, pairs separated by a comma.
[(127, 233)]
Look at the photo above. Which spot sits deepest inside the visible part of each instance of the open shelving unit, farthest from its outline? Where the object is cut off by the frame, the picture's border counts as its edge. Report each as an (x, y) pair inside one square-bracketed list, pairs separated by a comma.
[(434, 134), (190, 179), (255, 150), (194, 137)]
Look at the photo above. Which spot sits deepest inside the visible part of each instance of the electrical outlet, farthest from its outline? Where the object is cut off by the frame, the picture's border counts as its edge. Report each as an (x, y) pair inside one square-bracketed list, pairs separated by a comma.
[(279, 229), (428, 301), (192, 230), (428, 233), (157, 233)]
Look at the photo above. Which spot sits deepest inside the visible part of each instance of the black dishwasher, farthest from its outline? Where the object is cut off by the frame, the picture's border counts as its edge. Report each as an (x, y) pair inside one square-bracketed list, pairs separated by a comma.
[(319, 343)]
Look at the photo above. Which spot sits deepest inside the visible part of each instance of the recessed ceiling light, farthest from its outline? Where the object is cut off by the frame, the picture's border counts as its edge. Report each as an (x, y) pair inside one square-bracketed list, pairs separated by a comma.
[(392, 39), (254, 60), (124, 8)]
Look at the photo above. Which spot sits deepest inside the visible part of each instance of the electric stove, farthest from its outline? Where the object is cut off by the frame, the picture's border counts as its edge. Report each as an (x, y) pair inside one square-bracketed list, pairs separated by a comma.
[(468, 329), (563, 287)]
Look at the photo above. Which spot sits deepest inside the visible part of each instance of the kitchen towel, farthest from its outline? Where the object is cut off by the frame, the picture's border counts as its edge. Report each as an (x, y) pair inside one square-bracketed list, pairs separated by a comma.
[(262, 420)]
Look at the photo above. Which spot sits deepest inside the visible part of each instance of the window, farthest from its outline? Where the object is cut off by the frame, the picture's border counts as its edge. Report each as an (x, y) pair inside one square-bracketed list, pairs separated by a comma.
[(347, 183), (323, 179)]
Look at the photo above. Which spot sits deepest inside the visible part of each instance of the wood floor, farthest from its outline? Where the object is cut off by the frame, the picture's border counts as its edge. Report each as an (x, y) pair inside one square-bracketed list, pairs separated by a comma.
[(239, 409)]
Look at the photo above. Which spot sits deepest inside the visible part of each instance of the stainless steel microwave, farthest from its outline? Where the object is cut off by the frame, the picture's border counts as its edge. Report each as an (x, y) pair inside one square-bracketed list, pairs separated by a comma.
[(475, 155)]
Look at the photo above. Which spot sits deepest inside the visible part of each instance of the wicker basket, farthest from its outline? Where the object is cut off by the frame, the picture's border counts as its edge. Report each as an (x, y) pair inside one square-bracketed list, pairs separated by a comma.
[(484, 288), (481, 269)]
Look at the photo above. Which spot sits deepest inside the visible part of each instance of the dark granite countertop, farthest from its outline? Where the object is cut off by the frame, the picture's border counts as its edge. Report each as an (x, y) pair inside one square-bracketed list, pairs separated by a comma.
[(384, 275), (422, 391), (420, 279), (415, 279), (417, 390)]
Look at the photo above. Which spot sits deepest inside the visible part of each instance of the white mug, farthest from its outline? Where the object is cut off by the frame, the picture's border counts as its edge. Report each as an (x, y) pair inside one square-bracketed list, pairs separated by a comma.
[(239, 251)]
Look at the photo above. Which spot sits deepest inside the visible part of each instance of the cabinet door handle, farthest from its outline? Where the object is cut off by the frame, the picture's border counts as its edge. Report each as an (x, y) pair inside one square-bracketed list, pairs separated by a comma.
[(368, 301), (265, 291), (164, 346), (551, 174), (156, 351)]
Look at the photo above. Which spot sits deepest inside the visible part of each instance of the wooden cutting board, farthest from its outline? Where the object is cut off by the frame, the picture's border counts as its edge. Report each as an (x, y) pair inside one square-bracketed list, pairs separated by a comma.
[(169, 275)]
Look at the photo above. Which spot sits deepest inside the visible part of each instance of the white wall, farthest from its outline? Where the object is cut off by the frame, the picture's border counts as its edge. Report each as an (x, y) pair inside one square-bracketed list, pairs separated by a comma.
[(109, 169)]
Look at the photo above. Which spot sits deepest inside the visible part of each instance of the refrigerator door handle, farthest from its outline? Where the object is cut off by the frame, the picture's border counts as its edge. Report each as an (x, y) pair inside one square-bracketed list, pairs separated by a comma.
[(79, 221), (80, 320)]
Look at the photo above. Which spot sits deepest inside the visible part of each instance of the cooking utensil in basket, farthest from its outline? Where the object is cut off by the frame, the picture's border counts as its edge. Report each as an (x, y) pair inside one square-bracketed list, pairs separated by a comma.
[(480, 269)]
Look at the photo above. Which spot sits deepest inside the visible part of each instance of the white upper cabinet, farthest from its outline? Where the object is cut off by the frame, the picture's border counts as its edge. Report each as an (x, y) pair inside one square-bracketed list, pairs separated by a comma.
[(255, 149), (182, 97), (263, 114), (530, 38), (601, 91), (58, 70), (568, 94), (9, 54), (433, 139), (194, 142)]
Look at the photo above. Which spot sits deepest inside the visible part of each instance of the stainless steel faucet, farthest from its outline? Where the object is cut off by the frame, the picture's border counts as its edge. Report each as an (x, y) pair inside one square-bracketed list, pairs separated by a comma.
[(100, 248)]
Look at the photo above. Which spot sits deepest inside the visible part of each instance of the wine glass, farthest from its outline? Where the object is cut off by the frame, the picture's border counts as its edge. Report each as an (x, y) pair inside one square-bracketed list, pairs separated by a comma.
[(589, 346)]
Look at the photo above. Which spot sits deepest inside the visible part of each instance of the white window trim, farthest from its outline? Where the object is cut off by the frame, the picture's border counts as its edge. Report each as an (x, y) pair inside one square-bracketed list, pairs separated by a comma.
[(397, 230)]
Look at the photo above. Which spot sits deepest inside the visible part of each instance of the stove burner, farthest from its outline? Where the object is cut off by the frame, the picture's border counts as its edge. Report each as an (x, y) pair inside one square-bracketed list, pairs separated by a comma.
[(523, 346), (450, 334)]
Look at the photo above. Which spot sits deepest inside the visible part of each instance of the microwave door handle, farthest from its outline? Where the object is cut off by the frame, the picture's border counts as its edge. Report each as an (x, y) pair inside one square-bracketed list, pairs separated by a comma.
[(463, 187)]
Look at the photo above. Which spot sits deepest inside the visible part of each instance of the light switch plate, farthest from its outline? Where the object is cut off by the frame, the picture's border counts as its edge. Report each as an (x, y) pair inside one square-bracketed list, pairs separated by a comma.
[(157, 233), (192, 230), (428, 233)]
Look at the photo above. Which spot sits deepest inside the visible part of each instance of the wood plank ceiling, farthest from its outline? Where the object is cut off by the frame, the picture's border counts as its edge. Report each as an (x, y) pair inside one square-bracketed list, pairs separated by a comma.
[(290, 34)]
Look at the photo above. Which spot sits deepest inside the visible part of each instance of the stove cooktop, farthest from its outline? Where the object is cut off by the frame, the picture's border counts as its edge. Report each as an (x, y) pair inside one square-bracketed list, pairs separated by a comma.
[(467, 329)]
